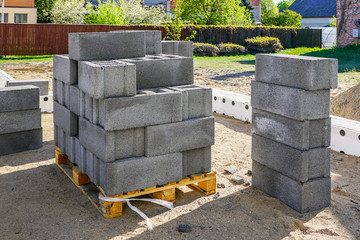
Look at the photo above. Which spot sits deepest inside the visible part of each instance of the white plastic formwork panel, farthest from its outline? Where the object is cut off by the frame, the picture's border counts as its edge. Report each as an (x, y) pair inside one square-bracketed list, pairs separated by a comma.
[(231, 104), (345, 136), (46, 103)]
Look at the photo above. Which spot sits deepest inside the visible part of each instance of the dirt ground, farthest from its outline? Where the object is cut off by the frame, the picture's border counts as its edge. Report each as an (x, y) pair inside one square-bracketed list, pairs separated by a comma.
[(37, 201)]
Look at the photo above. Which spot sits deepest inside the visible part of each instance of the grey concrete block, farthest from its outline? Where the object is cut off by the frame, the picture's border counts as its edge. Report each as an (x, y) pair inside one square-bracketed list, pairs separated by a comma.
[(196, 161), (152, 40), (138, 173), (19, 121), (111, 145), (65, 69), (196, 101), (62, 93), (155, 71), (180, 136), (296, 164), (75, 99), (65, 119), (303, 197), (19, 98), (310, 73), (181, 48), (43, 84), (105, 79), (290, 102), (145, 109), (106, 46), (298, 134), (20, 141)]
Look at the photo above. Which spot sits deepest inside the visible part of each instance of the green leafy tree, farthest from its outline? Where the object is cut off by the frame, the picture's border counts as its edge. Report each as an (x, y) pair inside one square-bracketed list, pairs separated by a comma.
[(333, 22), (109, 12), (248, 6), (68, 12), (214, 12), (136, 14), (285, 4), (268, 11), (43, 10)]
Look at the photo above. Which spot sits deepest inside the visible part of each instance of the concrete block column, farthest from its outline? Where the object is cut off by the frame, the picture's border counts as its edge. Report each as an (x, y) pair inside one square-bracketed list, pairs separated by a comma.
[(291, 129)]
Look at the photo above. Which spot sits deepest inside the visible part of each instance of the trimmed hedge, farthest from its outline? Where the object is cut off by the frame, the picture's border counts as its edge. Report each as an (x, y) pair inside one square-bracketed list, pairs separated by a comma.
[(289, 37), (263, 44), (205, 50), (231, 49)]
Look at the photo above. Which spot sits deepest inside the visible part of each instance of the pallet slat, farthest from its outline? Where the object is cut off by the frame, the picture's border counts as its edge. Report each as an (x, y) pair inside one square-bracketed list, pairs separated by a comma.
[(205, 183)]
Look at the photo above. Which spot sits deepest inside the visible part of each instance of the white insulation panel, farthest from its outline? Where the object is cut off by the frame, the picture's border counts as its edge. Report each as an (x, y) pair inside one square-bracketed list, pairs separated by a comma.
[(345, 133), (46, 103)]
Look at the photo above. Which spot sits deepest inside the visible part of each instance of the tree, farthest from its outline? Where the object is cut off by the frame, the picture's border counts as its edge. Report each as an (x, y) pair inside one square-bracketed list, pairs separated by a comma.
[(268, 11), (136, 14), (214, 12), (68, 12), (43, 10), (285, 4), (109, 12)]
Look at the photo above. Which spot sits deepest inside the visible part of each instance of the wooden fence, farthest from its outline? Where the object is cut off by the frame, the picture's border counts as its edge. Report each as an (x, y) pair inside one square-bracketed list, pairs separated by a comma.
[(43, 39)]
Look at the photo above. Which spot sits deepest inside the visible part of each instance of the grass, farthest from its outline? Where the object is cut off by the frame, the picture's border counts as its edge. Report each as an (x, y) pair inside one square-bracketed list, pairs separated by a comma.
[(348, 58), (25, 59)]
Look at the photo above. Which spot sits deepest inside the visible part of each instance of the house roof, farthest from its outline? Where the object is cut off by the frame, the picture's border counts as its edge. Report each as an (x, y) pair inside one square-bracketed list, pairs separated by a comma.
[(314, 8), (154, 2)]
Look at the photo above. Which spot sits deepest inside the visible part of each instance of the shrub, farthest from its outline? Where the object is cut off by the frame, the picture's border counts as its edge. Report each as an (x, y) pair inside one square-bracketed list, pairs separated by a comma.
[(231, 49), (263, 44), (109, 12), (206, 49)]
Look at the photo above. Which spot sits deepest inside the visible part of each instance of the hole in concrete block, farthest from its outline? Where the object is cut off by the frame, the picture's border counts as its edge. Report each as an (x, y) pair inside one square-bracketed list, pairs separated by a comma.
[(342, 152), (247, 107), (223, 100), (233, 103), (215, 98), (46, 99), (342, 132), (359, 137)]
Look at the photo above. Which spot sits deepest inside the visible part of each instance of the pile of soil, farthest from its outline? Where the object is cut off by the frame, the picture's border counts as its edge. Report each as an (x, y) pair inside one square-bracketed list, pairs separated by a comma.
[(347, 104)]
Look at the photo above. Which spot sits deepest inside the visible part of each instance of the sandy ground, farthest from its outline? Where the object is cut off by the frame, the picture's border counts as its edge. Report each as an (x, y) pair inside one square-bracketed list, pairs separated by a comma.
[(37, 201)]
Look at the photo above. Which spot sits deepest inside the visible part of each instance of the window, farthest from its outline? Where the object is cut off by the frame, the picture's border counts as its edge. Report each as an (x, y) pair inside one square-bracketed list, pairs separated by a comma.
[(20, 18), (6, 17)]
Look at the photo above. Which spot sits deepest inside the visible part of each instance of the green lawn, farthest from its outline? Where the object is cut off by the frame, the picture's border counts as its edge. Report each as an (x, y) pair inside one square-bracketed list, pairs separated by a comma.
[(349, 59), (25, 59)]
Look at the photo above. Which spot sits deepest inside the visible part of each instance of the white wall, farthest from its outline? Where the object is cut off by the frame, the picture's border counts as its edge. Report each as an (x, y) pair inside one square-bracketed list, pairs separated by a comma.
[(315, 22)]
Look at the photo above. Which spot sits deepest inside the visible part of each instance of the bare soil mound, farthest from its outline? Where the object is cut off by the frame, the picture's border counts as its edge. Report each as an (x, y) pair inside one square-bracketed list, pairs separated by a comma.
[(347, 104)]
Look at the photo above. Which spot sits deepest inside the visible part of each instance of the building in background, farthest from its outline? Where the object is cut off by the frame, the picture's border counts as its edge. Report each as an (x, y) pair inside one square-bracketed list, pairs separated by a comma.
[(19, 11), (256, 4), (348, 20), (315, 13)]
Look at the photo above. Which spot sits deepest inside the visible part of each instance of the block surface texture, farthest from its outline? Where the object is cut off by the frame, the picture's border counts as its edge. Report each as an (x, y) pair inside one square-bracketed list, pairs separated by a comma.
[(296, 164), (106, 46), (309, 73), (19, 98), (65, 119), (303, 197), (65, 69), (290, 102), (180, 136), (302, 135), (42, 84), (139, 173), (105, 79), (181, 48), (145, 109), (155, 71), (19, 121), (196, 161), (20, 141)]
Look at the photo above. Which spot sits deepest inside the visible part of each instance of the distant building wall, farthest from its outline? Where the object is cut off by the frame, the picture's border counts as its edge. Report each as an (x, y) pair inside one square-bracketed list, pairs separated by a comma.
[(347, 12), (257, 10), (315, 22), (19, 15)]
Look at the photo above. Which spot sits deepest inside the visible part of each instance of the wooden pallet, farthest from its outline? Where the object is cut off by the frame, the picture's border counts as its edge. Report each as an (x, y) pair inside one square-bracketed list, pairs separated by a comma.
[(205, 183)]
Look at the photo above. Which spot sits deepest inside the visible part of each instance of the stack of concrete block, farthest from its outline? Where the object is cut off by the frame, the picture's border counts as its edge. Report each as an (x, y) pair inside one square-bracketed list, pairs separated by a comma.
[(127, 114), (20, 119), (182, 48), (291, 129)]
